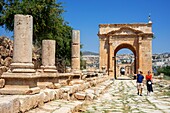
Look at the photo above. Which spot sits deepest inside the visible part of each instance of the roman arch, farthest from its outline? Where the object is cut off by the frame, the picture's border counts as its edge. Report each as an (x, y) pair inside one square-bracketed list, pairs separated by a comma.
[(136, 37)]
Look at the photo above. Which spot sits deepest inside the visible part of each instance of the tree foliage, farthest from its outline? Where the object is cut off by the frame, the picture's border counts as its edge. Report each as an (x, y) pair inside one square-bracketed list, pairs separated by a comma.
[(48, 23), (165, 70)]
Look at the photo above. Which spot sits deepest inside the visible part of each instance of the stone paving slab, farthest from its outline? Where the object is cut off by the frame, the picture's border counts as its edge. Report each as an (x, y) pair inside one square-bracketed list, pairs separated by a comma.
[(122, 97), (58, 106)]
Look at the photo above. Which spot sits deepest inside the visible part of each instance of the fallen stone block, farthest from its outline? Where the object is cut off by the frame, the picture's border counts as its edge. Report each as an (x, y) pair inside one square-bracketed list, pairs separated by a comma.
[(25, 103), (50, 95), (90, 96), (58, 94), (65, 96), (87, 85), (89, 91), (82, 87), (76, 82), (57, 85), (65, 89), (28, 102), (72, 89), (80, 96), (9, 105), (76, 87)]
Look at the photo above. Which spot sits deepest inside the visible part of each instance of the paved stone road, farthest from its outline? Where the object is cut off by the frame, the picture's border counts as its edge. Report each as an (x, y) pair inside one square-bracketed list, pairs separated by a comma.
[(122, 97)]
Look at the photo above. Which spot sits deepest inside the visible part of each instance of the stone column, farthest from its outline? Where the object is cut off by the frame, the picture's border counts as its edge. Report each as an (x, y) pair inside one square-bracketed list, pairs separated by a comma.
[(48, 56), (140, 60), (103, 54), (75, 61), (22, 54), (22, 80), (111, 72)]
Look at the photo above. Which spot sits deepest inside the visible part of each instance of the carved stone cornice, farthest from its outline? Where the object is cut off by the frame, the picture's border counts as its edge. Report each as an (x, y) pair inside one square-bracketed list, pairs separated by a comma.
[(127, 35), (125, 28), (146, 34), (125, 25)]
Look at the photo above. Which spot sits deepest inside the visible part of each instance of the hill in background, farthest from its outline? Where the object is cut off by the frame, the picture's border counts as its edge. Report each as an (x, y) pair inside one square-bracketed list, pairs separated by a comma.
[(89, 53)]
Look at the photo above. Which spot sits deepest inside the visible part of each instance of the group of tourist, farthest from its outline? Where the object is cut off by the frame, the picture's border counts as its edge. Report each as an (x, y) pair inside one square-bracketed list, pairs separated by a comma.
[(140, 83)]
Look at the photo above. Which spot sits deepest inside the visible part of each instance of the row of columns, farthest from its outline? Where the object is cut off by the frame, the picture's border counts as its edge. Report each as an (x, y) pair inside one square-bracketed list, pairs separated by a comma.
[(22, 55), (23, 73)]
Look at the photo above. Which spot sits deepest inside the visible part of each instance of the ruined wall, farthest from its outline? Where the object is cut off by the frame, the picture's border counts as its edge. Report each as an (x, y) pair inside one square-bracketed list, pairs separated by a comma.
[(6, 50), (6, 54)]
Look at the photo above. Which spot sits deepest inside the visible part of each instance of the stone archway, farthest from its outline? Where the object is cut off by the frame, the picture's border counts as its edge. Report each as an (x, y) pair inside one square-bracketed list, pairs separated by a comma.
[(130, 47), (136, 37)]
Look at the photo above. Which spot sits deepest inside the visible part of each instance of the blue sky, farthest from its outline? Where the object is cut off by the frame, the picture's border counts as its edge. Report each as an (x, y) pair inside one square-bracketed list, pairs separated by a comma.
[(86, 15)]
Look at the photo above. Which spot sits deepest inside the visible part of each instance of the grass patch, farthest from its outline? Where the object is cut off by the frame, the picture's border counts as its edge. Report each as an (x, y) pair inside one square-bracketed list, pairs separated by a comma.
[(167, 93), (166, 77), (94, 107)]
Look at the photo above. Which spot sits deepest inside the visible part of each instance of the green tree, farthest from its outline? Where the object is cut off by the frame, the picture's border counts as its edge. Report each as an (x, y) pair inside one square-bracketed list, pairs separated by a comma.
[(48, 23), (165, 70)]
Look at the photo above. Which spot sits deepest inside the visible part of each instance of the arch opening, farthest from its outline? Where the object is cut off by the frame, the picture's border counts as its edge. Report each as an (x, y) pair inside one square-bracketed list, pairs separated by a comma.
[(125, 60)]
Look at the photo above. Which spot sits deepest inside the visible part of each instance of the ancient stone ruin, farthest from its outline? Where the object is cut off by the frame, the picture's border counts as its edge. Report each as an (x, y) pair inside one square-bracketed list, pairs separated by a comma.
[(6, 50), (32, 88), (26, 89)]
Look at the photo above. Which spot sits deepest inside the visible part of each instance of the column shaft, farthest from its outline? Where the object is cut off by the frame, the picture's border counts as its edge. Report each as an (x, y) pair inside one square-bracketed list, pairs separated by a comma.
[(75, 62), (48, 55), (22, 54)]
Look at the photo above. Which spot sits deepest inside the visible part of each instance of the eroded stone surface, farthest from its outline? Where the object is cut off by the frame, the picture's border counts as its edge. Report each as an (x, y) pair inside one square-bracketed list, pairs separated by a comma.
[(122, 97)]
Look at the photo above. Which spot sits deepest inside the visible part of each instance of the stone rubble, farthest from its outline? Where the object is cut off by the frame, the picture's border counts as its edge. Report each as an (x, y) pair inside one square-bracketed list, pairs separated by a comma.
[(67, 104), (6, 50), (65, 94)]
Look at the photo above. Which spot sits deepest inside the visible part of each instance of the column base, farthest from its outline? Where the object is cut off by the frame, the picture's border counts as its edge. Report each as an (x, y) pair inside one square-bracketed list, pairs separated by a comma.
[(49, 69), (20, 84), (22, 68), (76, 71)]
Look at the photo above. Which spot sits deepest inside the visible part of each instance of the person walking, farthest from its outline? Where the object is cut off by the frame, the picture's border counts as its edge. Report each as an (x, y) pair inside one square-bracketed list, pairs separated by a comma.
[(149, 83), (140, 84)]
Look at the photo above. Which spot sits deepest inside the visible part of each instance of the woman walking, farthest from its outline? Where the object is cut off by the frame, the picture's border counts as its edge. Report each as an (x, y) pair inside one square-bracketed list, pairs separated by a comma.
[(149, 83)]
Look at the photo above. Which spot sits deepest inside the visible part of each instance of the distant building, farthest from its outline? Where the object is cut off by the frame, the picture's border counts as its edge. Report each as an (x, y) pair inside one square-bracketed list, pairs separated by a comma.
[(158, 60)]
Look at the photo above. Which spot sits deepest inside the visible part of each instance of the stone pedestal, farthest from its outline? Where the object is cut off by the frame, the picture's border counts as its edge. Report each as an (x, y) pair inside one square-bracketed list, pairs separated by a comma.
[(20, 84), (48, 80), (22, 80), (75, 61), (48, 56)]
